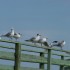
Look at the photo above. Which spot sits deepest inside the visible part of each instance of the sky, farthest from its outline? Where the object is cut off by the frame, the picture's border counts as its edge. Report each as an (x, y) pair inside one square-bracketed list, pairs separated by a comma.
[(50, 18)]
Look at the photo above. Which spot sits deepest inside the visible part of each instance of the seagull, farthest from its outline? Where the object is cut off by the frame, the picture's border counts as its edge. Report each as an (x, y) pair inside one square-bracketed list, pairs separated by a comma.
[(34, 39), (42, 41), (9, 34), (17, 35), (57, 43)]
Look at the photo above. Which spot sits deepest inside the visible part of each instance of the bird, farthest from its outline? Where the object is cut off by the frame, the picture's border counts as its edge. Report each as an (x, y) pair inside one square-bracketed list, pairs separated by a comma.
[(9, 34), (58, 43), (42, 40), (34, 39), (17, 35)]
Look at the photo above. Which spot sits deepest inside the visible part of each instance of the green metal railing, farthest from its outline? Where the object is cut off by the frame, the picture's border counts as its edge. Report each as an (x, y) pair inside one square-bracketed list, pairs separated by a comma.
[(19, 57)]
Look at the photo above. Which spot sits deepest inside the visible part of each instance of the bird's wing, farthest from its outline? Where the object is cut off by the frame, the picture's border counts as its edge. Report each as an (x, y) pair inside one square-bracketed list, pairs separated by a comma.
[(39, 41), (46, 44), (55, 42), (15, 33), (31, 39), (8, 34)]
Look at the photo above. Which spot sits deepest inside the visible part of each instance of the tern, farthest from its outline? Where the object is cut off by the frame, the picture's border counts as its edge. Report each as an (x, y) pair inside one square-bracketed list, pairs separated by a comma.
[(17, 35), (9, 34), (58, 43), (42, 41), (34, 39)]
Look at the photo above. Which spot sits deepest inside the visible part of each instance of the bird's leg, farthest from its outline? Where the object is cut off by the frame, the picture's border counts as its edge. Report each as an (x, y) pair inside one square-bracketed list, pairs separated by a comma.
[(41, 44), (10, 38), (16, 39), (61, 48)]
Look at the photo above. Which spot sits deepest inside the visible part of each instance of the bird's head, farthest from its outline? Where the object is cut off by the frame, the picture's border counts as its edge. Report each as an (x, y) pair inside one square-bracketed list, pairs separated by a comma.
[(12, 28), (38, 35), (63, 42)]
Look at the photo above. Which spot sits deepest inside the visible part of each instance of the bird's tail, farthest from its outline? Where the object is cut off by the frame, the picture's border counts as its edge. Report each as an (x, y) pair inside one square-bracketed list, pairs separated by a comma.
[(46, 44)]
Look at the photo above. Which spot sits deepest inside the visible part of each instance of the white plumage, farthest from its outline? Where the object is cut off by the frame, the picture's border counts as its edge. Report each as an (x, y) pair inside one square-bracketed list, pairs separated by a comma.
[(42, 40), (34, 39), (9, 34), (58, 43), (17, 35)]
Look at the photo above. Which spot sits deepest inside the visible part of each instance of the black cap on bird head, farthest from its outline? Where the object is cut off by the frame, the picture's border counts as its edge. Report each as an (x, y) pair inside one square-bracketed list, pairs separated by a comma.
[(12, 28), (38, 35)]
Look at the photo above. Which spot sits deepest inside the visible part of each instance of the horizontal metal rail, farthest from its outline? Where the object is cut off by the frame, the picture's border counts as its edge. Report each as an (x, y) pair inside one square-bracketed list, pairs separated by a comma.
[(33, 59), (37, 46), (19, 57), (36, 51)]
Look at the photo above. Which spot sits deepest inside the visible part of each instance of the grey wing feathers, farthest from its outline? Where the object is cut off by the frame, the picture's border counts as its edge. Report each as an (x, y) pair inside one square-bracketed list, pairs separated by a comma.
[(8, 34), (46, 44), (31, 39)]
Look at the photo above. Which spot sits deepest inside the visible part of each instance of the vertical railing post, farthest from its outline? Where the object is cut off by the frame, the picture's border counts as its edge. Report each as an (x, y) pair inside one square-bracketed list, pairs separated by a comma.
[(41, 65), (49, 60), (17, 56), (61, 66)]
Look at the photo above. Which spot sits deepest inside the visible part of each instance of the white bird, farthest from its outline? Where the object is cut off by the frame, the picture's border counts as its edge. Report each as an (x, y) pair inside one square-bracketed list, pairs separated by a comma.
[(9, 34), (34, 39), (17, 35), (42, 40), (58, 43)]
